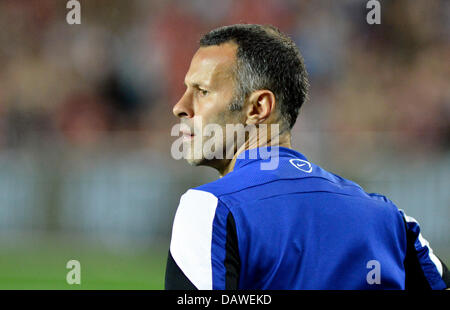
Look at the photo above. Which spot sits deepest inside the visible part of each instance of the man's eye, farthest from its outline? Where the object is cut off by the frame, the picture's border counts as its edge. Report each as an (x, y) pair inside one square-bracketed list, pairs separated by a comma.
[(203, 92)]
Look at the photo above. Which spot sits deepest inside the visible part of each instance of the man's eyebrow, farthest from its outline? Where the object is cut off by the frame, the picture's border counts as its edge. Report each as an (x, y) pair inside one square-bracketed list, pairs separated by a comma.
[(194, 84)]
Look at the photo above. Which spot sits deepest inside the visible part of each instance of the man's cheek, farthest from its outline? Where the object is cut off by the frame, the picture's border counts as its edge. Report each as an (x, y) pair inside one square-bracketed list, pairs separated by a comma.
[(213, 141)]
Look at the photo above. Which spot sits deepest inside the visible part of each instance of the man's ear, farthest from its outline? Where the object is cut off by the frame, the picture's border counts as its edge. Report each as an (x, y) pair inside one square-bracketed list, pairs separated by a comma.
[(260, 106)]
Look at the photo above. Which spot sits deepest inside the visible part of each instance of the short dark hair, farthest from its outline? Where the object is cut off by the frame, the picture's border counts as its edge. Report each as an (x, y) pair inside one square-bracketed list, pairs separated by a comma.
[(266, 59)]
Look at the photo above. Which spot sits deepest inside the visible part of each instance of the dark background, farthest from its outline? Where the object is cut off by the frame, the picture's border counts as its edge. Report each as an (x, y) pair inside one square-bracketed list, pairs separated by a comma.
[(85, 118)]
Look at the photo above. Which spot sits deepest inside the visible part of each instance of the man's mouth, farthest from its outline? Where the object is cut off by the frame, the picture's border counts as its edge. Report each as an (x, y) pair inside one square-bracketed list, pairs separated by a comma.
[(187, 136)]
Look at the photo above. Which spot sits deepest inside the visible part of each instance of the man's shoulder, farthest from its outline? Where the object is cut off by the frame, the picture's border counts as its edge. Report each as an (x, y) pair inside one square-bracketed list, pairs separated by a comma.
[(238, 183), (300, 179), (229, 184)]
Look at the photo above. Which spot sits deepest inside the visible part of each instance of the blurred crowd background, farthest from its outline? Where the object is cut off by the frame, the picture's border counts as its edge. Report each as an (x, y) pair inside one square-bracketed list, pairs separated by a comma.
[(86, 112)]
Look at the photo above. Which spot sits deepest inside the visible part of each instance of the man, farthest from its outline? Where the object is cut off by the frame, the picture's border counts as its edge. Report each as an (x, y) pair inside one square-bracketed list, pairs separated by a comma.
[(289, 225)]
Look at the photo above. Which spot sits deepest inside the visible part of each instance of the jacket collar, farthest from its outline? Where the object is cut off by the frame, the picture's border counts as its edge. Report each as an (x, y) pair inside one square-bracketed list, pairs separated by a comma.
[(265, 154)]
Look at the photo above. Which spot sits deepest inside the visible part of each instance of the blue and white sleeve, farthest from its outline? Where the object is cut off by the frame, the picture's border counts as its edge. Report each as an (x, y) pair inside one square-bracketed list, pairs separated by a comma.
[(203, 250), (423, 269)]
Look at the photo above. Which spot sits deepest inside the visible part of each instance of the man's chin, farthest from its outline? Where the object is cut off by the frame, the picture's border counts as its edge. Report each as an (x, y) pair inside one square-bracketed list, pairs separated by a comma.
[(213, 163), (195, 162)]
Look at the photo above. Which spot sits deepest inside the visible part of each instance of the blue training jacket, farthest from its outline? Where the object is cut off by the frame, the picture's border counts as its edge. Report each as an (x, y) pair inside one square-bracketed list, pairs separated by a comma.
[(295, 227)]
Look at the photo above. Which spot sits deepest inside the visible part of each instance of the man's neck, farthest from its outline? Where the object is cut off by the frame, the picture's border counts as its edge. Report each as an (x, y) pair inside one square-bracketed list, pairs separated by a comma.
[(283, 140)]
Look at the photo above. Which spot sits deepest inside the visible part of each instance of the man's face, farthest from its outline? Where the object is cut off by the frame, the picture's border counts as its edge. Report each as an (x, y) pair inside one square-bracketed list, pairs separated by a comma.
[(209, 92)]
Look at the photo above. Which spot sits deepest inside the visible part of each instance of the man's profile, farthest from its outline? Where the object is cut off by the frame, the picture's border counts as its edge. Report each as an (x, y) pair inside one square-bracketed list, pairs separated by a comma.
[(295, 225)]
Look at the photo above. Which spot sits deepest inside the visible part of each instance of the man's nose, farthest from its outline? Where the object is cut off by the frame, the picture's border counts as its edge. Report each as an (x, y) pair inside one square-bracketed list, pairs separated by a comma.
[(183, 108)]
